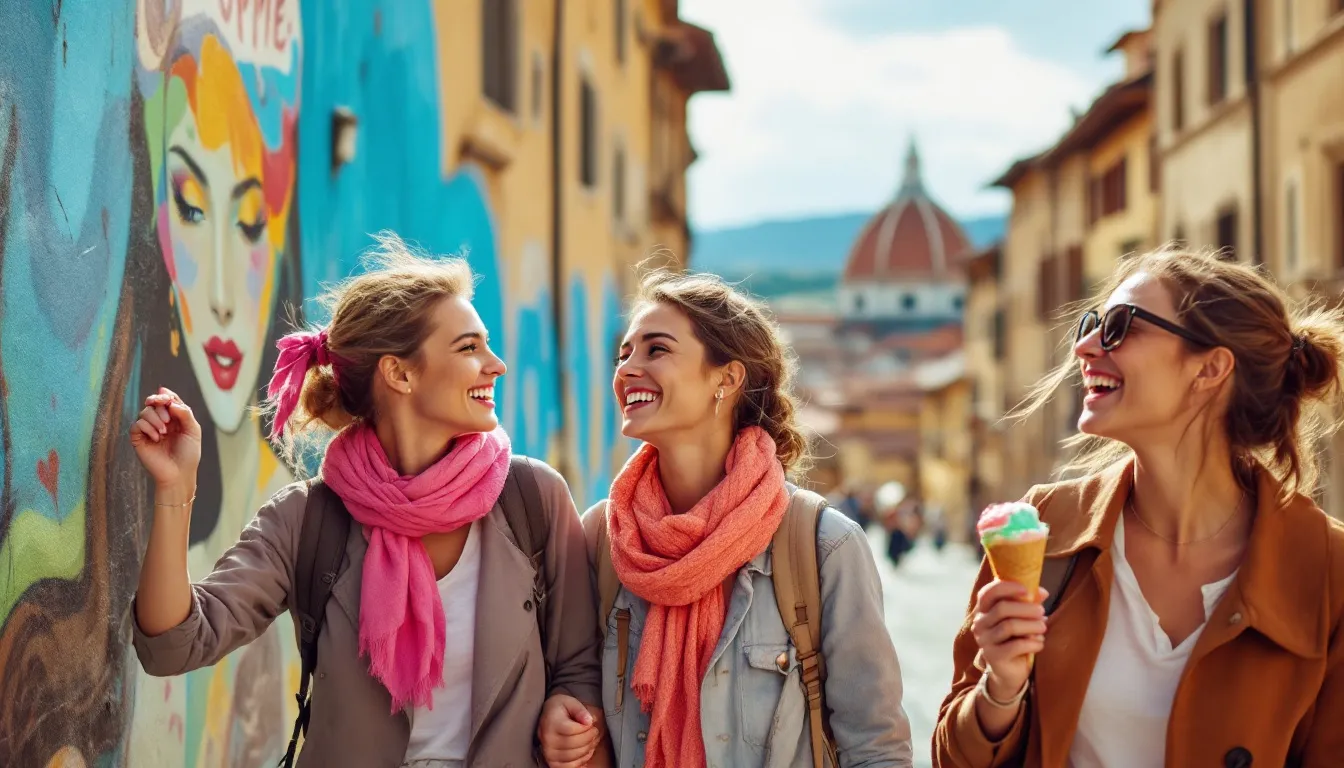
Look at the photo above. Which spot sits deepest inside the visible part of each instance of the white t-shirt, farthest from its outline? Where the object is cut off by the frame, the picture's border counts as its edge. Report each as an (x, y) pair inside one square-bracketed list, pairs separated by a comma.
[(1123, 721), (444, 732)]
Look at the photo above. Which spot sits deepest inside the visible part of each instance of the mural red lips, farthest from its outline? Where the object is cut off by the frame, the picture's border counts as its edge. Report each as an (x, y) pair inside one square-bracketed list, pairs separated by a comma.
[(225, 361)]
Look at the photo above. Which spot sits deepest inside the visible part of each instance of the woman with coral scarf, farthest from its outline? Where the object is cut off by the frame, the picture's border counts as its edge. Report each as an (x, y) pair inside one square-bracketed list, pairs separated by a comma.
[(431, 651), (710, 676)]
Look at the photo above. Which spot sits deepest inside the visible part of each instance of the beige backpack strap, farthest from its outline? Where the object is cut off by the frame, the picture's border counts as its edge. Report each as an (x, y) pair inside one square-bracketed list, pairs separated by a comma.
[(607, 582), (608, 585), (797, 582)]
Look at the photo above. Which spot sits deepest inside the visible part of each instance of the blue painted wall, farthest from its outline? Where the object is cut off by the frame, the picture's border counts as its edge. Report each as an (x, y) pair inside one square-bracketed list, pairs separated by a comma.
[(126, 129)]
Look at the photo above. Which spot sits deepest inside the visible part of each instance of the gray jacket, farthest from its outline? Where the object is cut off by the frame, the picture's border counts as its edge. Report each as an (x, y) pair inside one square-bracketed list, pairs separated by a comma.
[(752, 713), (352, 724)]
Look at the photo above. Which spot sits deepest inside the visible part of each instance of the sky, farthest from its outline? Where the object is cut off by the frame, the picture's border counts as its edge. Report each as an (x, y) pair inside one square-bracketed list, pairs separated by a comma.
[(826, 95)]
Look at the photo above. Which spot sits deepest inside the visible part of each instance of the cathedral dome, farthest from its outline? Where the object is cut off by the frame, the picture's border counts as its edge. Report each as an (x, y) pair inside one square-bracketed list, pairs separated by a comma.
[(912, 238)]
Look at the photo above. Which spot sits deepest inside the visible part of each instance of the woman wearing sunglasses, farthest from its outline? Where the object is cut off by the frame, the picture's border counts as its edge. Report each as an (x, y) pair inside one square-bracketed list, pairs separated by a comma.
[(1199, 621)]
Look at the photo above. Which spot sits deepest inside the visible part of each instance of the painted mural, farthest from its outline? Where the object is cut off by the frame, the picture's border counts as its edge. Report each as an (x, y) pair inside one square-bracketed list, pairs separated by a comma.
[(167, 202)]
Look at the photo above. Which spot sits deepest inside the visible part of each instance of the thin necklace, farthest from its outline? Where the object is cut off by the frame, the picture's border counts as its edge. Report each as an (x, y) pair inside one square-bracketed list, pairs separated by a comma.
[(1135, 510)]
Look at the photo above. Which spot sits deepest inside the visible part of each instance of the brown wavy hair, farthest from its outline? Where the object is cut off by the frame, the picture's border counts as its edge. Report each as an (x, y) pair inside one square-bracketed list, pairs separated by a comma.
[(386, 309), (1286, 380), (735, 326)]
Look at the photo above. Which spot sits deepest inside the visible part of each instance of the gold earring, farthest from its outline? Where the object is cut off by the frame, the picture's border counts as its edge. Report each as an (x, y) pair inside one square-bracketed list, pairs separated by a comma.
[(718, 400)]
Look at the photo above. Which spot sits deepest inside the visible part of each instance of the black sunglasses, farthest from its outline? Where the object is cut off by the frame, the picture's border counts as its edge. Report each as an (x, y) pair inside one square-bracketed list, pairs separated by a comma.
[(1115, 325)]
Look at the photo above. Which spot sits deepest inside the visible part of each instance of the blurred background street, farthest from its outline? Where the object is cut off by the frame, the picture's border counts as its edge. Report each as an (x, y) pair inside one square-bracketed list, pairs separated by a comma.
[(926, 604)]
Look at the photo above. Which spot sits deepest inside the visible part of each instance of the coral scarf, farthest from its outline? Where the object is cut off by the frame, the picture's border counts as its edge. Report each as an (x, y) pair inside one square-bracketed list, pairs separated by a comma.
[(401, 622), (678, 563)]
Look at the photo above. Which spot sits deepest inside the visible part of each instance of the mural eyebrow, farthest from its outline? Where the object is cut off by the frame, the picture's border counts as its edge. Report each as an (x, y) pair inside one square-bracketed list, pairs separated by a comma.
[(243, 186), (186, 158)]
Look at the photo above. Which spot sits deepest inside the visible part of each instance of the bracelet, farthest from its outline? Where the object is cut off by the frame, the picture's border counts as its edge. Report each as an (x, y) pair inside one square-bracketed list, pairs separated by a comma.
[(183, 505), (983, 687)]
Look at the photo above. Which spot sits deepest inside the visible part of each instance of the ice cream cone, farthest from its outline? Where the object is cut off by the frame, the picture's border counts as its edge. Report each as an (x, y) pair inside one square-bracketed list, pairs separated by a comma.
[(1018, 561)]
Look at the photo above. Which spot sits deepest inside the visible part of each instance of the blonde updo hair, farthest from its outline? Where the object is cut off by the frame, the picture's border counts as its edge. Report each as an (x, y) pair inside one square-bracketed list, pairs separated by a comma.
[(387, 309)]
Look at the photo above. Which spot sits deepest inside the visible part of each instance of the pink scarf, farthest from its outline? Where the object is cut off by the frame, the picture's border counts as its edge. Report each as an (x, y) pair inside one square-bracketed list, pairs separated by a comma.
[(401, 622), (678, 563)]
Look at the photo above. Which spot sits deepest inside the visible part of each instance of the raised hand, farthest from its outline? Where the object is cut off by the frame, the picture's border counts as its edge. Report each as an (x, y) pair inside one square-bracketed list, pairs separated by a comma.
[(167, 440)]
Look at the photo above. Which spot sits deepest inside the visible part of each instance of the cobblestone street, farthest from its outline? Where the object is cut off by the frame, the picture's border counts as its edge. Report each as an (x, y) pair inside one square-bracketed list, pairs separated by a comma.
[(926, 600)]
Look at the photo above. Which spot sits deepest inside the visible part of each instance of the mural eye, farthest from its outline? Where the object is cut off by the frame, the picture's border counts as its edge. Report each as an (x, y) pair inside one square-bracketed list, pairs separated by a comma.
[(188, 213), (253, 230)]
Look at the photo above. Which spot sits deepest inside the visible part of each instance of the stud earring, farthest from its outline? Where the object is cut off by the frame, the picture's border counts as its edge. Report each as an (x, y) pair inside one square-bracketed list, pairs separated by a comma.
[(718, 400)]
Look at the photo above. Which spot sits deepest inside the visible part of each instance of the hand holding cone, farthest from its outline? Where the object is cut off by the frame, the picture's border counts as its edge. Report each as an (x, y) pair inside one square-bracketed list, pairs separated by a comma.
[(1014, 539)]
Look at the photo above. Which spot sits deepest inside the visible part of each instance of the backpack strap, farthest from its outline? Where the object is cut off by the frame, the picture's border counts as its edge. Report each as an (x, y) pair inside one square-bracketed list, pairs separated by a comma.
[(526, 516), (322, 540), (608, 585), (797, 582)]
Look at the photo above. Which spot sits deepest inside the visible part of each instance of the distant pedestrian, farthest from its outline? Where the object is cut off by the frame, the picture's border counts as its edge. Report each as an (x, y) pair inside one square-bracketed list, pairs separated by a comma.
[(936, 522), (852, 507)]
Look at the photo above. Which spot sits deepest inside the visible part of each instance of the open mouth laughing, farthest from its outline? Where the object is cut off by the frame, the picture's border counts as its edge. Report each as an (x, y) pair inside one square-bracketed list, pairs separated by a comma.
[(639, 398)]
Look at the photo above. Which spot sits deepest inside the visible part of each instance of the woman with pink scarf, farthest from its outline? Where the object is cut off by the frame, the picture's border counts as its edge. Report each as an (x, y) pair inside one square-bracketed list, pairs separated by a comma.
[(431, 652), (709, 675)]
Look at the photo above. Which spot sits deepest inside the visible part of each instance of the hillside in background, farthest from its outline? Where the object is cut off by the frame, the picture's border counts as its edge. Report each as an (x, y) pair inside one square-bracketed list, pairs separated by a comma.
[(776, 258)]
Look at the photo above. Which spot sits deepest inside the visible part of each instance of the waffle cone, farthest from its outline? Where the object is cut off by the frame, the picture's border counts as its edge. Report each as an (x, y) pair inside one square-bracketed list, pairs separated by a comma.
[(1018, 561)]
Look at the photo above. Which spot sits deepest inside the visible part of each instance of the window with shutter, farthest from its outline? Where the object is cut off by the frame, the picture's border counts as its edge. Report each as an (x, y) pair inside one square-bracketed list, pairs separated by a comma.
[(1218, 69), (587, 134), (499, 53)]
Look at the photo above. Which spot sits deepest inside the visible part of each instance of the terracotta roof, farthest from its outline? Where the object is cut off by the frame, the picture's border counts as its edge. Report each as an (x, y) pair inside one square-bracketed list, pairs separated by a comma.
[(938, 341), (882, 444), (1017, 171), (1126, 37), (911, 238), (986, 263), (1113, 107), (693, 57)]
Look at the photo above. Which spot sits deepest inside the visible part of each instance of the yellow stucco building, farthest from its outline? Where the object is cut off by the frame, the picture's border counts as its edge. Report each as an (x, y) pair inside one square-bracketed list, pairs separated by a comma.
[(946, 443), (578, 130), (1214, 137), (985, 353), (1205, 124), (1078, 207), (1302, 82)]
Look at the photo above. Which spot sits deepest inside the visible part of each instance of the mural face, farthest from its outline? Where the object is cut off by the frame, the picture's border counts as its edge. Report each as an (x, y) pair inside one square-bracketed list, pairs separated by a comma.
[(167, 202), (220, 111), (220, 227)]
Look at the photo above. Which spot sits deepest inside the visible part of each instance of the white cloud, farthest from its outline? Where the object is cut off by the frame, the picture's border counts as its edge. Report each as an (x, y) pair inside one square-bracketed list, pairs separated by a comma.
[(818, 120)]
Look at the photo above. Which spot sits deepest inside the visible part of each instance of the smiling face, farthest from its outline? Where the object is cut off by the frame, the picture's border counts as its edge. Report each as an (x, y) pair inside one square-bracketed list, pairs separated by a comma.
[(452, 384), (664, 383), (1141, 390)]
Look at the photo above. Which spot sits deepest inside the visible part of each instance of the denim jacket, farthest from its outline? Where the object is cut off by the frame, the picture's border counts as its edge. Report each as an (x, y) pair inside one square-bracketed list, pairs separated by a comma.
[(753, 713)]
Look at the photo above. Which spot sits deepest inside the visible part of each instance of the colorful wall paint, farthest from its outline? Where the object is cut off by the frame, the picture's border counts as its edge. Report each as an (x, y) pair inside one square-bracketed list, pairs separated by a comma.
[(167, 199)]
